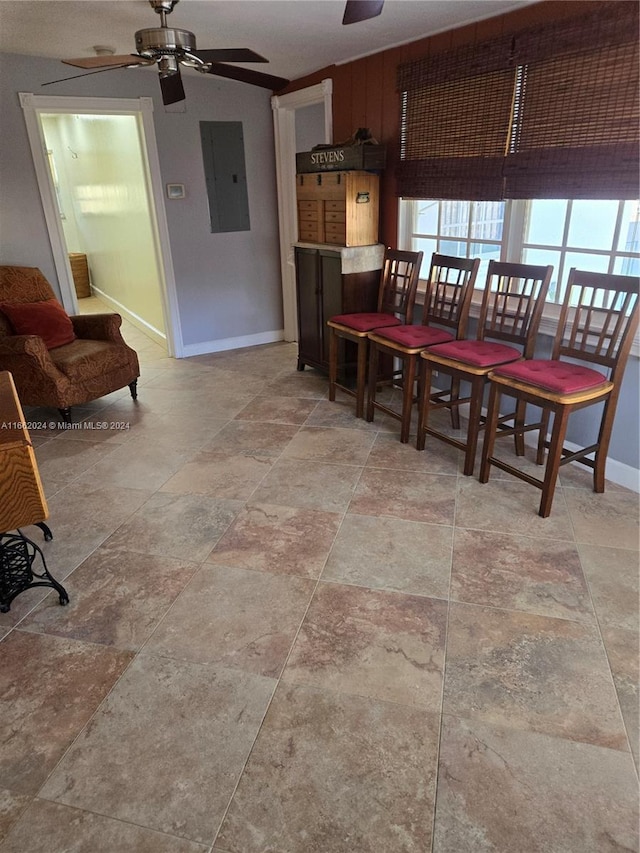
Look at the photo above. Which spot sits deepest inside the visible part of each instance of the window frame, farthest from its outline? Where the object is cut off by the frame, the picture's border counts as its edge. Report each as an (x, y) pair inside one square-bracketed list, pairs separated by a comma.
[(512, 248)]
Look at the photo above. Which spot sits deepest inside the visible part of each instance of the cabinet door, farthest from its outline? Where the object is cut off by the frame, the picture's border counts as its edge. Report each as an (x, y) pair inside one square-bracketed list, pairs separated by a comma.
[(330, 294), (308, 292)]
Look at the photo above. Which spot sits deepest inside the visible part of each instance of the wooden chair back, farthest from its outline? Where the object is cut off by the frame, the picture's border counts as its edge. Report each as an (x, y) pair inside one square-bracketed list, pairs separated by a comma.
[(512, 303), (399, 283), (598, 320), (449, 291)]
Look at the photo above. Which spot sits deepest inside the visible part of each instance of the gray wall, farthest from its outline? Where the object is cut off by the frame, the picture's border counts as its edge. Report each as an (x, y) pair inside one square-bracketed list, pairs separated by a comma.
[(228, 285)]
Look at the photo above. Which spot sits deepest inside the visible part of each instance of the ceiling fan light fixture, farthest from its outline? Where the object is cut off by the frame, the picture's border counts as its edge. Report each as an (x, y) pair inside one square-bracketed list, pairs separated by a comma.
[(167, 65), (165, 40)]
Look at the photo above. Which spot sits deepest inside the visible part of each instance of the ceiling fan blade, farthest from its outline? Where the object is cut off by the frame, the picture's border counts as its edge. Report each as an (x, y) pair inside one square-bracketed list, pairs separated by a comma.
[(245, 75), (106, 61), (230, 54), (361, 10), (86, 74), (172, 89)]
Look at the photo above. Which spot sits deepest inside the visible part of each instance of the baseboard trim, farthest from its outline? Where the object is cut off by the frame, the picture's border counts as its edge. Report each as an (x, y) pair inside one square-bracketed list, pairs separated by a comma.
[(134, 319), (618, 472), (223, 344)]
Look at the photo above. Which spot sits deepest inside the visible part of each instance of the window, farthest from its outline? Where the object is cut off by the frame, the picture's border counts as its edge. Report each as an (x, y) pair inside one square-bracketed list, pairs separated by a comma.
[(596, 235), (550, 111)]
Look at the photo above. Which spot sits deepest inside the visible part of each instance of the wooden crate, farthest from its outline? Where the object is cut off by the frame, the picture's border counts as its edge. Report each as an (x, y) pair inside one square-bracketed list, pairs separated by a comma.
[(339, 208), (80, 273)]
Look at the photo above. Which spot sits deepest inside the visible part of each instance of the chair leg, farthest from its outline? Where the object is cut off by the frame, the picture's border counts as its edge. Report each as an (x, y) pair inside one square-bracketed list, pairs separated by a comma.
[(520, 415), (133, 388), (542, 436), (333, 363), (373, 380), (423, 403), (361, 376), (560, 421), (490, 428), (409, 371), (455, 410), (477, 385), (66, 414), (600, 461)]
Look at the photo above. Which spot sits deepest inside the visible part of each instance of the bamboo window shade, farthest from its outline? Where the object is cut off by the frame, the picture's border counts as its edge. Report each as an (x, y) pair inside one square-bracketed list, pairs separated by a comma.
[(548, 112)]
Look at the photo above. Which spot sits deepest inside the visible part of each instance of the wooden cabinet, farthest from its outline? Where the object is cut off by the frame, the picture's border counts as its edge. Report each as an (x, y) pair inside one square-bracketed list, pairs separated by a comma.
[(332, 280), (338, 208), (22, 500)]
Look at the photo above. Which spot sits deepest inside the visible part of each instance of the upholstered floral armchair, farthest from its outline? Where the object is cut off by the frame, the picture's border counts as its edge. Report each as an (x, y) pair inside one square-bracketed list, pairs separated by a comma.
[(57, 360)]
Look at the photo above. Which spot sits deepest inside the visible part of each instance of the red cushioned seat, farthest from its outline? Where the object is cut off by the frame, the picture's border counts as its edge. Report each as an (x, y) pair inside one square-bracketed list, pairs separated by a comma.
[(366, 322), (415, 336), (559, 376), (478, 353)]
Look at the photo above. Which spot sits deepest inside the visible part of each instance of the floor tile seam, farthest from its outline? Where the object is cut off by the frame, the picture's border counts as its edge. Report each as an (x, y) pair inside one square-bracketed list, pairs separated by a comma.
[(77, 641), (144, 656), (494, 608), (278, 681), (63, 578), (385, 468), (127, 822), (588, 623), (320, 461), (581, 544), (505, 723), (276, 459), (243, 768), (305, 399), (598, 625), (534, 535), (335, 583), (398, 517), (84, 727), (441, 713), (404, 520), (599, 618), (19, 816), (420, 707), (349, 502), (86, 470), (143, 648)]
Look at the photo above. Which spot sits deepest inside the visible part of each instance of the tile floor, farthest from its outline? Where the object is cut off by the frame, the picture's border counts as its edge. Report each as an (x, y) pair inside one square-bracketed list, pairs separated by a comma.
[(288, 633)]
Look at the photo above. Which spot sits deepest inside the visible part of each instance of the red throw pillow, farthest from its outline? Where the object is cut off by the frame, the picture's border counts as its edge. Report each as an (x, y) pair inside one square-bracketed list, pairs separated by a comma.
[(47, 319)]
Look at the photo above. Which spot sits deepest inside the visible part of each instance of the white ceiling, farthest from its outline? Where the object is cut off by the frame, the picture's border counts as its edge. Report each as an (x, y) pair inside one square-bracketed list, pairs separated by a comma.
[(297, 36)]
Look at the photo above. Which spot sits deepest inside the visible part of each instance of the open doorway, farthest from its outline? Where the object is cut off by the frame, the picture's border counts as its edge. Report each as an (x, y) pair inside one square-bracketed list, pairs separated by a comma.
[(99, 178), (98, 175)]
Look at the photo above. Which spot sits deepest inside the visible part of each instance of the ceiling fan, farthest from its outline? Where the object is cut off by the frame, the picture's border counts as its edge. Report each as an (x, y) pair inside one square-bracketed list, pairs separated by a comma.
[(170, 48)]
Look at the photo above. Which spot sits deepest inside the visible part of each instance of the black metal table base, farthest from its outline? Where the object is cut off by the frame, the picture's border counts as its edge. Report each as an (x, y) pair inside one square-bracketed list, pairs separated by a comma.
[(17, 556)]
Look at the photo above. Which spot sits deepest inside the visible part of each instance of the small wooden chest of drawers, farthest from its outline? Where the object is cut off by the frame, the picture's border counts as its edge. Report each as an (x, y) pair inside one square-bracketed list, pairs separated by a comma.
[(339, 208)]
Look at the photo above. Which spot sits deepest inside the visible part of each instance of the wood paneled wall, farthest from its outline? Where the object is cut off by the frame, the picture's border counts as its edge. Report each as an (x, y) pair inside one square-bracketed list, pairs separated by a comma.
[(364, 92)]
